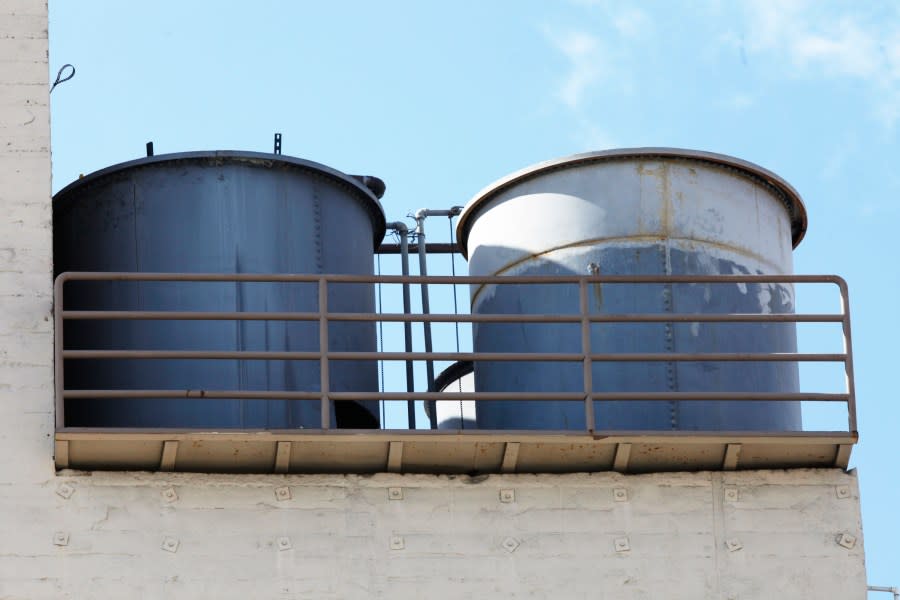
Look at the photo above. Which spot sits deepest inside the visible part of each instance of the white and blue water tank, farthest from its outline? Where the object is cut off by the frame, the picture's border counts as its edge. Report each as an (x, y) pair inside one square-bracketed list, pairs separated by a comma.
[(647, 211)]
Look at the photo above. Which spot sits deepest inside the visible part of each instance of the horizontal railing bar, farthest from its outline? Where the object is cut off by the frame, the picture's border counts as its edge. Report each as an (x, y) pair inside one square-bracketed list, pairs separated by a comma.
[(450, 318), (450, 435), (597, 318), (337, 396), (607, 357), (196, 394), (272, 355), (190, 354), (181, 315), (473, 356), (720, 318), (444, 279), (718, 357), (455, 396), (150, 315), (600, 396)]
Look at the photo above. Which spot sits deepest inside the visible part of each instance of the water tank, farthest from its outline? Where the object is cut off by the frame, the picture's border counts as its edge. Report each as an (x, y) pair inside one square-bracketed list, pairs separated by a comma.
[(454, 414), (217, 212), (644, 211)]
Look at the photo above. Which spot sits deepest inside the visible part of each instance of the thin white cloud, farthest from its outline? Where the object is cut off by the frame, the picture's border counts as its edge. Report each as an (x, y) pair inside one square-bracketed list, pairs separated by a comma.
[(592, 137), (628, 21), (589, 67), (632, 23), (586, 64), (817, 41), (592, 61), (740, 101), (770, 23), (845, 51), (840, 155)]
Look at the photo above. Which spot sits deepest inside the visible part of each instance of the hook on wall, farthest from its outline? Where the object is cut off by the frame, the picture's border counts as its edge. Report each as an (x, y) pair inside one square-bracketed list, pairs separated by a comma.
[(62, 79)]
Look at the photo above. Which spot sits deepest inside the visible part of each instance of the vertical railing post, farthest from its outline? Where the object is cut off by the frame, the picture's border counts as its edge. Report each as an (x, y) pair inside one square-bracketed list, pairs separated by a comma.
[(848, 355), (587, 366), (59, 384), (323, 352)]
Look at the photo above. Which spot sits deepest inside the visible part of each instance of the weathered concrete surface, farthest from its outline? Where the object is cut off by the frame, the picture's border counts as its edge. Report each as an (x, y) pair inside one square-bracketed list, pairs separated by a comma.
[(26, 340), (761, 534), (123, 535)]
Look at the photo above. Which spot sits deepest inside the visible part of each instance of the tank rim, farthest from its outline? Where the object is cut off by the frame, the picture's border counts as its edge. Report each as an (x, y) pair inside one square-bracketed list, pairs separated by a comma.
[(374, 206), (455, 371), (791, 198)]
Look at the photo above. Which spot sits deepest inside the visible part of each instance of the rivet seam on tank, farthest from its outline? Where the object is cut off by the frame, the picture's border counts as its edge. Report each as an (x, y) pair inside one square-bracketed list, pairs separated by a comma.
[(317, 229), (594, 270), (169, 495), (282, 493), (620, 495), (842, 491), (671, 371), (395, 493), (507, 496)]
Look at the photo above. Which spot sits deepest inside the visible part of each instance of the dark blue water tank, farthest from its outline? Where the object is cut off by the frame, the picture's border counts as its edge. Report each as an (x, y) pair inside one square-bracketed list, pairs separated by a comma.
[(216, 212)]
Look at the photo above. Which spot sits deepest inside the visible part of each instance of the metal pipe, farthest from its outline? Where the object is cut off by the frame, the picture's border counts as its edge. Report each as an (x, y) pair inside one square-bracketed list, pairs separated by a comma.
[(420, 217), (426, 309), (403, 231), (880, 588), (432, 248), (433, 212)]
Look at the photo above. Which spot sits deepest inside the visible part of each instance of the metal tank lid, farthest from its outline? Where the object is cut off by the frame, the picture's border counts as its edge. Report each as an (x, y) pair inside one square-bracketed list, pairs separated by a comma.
[(368, 188), (789, 196)]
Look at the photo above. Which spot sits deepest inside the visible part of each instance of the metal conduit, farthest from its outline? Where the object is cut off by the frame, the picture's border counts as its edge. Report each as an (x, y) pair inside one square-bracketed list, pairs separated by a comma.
[(403, 232), (420, 217)]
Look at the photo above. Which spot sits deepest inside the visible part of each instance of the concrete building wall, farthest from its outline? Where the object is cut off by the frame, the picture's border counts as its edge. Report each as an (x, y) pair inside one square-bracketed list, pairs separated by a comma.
[(26, 333), (759, 534), (739, 535)]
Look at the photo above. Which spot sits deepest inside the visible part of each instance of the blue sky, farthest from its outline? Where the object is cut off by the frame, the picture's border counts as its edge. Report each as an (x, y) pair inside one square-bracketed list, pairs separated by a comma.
[(440, 99)]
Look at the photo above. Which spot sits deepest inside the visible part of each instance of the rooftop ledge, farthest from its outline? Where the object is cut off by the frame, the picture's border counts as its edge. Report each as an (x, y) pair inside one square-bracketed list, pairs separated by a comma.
[(404, 451)]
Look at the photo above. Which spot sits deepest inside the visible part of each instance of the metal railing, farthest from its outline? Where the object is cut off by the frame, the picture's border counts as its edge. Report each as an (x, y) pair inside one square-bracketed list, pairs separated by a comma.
[(324, 356)]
